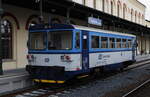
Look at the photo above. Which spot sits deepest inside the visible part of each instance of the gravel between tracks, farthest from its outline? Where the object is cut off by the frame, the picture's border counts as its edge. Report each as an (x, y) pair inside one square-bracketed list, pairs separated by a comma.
[(113, 86)]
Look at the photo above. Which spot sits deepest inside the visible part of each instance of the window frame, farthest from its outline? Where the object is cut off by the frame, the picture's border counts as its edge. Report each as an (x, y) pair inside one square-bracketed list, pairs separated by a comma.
[(8, 37), (129, 46), (107, 42), (72, 41), (119, 44), (124, 45), (75, 39), (114, 43), (44, 40), (98, 41)]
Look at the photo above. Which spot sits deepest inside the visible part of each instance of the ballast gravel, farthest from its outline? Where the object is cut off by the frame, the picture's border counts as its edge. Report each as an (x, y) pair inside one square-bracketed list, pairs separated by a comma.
[(100, 88)]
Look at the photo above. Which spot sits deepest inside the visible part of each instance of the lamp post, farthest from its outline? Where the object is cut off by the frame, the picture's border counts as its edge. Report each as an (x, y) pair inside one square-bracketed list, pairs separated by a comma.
[(1, 12)]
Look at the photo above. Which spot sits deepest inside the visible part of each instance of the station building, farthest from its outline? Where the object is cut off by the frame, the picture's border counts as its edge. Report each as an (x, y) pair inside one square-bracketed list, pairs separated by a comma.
[(148, 23), (18, 16)]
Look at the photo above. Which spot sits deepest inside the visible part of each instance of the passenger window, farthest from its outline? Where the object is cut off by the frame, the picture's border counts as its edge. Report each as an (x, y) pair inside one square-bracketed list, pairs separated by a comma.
[(118, 42), (112, 42), (95, 42), (104, 42), (124, 43), (129, 43), (77, 45)]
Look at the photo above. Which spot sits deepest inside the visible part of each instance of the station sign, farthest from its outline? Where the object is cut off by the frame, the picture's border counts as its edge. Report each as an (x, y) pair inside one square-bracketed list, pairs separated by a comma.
[(95, 21)]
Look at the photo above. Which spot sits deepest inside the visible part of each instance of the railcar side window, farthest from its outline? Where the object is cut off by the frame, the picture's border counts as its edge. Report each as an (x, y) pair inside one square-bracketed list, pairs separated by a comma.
[(104, 42), (60, 40), (118, 43), (77, 45), (37, 41), (124, 43), (129, 43), (95, 42), (112, 42)]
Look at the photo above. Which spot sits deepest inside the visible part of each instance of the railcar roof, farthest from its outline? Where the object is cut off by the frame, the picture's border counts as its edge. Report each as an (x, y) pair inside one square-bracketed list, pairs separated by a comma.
[(100, 30)]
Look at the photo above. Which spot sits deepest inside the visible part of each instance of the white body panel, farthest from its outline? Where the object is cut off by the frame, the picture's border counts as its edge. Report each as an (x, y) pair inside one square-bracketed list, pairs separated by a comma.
[(107, 58), (95, 59), (55, 60)]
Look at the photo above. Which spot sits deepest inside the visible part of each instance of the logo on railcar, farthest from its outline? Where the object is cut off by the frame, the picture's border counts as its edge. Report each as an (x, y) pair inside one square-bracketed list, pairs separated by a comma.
[(100, 56), (47, 59)]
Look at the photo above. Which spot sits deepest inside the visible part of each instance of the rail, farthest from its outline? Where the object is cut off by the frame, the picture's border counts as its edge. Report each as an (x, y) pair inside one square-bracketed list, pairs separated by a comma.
[(135, 89)]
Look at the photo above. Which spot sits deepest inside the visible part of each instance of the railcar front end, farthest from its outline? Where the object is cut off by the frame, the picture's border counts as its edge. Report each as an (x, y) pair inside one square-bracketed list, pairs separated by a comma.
[(54, 55)]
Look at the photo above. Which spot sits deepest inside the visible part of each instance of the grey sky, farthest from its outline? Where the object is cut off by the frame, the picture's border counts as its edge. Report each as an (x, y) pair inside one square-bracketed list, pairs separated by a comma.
[(147, 3)]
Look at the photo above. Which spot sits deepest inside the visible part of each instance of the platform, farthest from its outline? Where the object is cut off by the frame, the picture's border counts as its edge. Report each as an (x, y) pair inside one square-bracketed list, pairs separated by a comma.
[(142, 57), (13, 80), (17, 79)]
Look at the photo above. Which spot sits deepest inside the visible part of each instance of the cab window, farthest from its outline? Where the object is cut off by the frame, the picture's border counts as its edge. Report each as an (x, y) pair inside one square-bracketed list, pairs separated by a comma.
[(77, 39)]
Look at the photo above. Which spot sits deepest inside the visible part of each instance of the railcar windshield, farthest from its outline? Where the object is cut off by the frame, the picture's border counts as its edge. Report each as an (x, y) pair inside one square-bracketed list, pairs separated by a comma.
[(37, 41), (60, 40)]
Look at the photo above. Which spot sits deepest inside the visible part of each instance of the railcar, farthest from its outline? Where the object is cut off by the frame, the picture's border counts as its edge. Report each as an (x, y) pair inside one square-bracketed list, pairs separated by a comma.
[(59, 52)]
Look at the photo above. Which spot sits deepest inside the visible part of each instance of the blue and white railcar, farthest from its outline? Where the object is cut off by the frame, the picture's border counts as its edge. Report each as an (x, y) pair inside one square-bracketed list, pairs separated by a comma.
[(60, 52)]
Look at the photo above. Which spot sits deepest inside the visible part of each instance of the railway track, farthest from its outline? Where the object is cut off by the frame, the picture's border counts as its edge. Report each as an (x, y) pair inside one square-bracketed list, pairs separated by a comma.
[(51, 90), (136, 90)]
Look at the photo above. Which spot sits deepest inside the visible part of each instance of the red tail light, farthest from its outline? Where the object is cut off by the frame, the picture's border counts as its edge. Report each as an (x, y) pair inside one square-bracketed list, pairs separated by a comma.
[(77, 69), (68, 57), (28, 56), (65, 58)]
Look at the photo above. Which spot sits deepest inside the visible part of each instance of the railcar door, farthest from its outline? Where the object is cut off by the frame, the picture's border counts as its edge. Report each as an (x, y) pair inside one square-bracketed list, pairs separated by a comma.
[(134, 47), (85, 50)]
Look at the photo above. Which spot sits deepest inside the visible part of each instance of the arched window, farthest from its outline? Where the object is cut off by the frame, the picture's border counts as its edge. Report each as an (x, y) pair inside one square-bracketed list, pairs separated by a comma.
[(135, 16), (107, 6), (83, 2), (94, 4), (124, 11), (118, 8), (139, 18), (131, 14), (118, 12), (111, 3), (6, 30), (143, 18), (103, 5)]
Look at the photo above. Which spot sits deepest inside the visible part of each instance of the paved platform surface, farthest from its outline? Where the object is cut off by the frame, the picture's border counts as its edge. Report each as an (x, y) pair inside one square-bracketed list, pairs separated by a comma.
[(15, 72), (14, 80), (142, 57)]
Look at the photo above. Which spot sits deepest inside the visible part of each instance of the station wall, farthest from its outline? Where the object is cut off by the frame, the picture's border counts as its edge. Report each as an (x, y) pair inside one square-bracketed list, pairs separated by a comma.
[(131, 10)]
